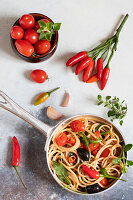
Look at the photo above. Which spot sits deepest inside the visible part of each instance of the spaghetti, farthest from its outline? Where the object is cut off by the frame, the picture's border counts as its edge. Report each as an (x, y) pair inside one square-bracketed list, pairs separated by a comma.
[(107, 139)]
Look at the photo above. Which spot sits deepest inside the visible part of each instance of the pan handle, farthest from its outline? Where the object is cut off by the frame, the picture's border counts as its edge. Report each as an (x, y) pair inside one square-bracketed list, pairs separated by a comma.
[(14, 108)]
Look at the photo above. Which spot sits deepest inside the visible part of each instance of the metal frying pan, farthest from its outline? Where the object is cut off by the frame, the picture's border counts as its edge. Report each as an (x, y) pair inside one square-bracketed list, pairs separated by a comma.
[(48, 131)]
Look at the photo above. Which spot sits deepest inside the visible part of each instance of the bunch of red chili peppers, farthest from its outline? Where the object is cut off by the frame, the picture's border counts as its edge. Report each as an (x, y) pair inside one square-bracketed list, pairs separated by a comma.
[(86, 60)]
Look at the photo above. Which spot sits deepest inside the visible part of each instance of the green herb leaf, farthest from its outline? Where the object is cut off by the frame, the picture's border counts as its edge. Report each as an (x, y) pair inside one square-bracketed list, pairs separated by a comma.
[(108, 97), (99, 97), (116, 161), (129, 163), (96, 141), (106, 175), (105, 132), (111, 113), (86, 141), (48, 36), (49, 25), (121, 122), (42, 23), (127, 147), (99, 103), (61, 172), (56, 26), (124, 169), (42, 36)]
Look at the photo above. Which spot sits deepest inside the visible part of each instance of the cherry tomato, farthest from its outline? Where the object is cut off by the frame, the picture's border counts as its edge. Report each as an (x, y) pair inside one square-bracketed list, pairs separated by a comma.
[(31, 35), (42, 46), (36, 27), (94, 152), (71, 141), (105, 153), (17, 32), (104, 182), (38, 75), (72, 159), (94, 146), (61, 139), (27, 21), (77, 126), (97, 133), (24, 47)]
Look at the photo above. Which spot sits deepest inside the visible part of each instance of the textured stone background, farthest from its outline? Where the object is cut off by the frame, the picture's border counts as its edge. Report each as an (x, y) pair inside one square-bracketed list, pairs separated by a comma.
[(84, 24)]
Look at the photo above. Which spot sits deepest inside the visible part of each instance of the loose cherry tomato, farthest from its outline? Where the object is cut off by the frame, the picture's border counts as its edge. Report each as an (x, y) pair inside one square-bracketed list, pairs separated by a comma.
[(27, 21), (77, 126), (71, 141), (42, 46), (104, 182), (72, 159), (24, 47), (61, 139), (94, 152), (31, 35), (36, 27), (17, 32), (38, 75), (105, 153)]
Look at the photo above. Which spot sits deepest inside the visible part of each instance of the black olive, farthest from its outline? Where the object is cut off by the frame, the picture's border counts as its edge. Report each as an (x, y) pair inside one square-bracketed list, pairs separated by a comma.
[(83, 154), (93, 188)]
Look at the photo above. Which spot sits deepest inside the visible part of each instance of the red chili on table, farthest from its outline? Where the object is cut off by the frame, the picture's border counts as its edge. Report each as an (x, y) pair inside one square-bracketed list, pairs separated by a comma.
[(105, 77), (99, 68), (76, 58), (91, 173), (88, 71), (92, 79), (83, 64), (16, 156)]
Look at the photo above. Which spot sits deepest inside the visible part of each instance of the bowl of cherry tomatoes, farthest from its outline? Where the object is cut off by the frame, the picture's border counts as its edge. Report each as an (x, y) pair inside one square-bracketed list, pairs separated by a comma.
[(34, 37)]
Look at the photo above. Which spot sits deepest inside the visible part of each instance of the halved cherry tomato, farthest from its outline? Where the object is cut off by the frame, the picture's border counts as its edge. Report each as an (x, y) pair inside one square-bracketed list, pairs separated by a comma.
[(104, 182), (77, 126), (17, 32), (38, 75), (27, 21), (71, 159), (31, 35), (71, 140), (94, 146), (97, 133), (42, 46), (36, 27), (61, 139), (105, 153), (94, 152), (24, 47)]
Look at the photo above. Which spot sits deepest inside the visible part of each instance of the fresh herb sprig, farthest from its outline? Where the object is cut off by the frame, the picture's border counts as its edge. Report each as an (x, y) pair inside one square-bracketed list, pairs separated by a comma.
[(86, 141), (117, 109), (105, 174), (47, 30), (61, 172), (126, 163)]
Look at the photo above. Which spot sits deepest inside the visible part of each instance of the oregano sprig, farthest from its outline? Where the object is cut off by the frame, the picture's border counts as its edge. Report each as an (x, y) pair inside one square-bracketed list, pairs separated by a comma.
[(46, 30), (118, 110), (126, 163)]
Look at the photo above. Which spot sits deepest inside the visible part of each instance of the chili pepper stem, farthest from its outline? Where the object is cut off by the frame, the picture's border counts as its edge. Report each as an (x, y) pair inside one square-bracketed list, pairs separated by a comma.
[(15, 167), (49, 93), (101, 175)]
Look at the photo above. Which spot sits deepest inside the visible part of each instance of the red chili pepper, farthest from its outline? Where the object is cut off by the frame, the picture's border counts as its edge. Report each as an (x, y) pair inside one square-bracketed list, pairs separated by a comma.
[(16, 156), (99, 68), (88, 71), (92, 79), (83, 64), (75, 59), (91, 173), (105, 77)]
